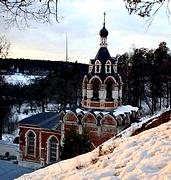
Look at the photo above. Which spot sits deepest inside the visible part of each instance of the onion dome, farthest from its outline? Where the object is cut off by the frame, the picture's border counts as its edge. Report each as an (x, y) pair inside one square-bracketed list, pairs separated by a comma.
[(103, 32)]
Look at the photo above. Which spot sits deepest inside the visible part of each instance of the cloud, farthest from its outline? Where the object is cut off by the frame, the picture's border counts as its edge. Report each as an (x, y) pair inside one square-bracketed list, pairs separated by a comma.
[(82, 20)]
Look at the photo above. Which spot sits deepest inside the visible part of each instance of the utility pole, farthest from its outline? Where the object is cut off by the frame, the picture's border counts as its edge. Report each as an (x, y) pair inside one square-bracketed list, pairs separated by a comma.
[(66, 41), (65, 78)]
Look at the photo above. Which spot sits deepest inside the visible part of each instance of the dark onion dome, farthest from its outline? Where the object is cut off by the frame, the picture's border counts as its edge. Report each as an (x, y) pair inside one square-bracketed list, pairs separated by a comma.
[(103, 32)]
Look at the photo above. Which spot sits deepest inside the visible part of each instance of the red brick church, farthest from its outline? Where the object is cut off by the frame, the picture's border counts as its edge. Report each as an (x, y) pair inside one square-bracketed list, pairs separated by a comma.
[(102, 113)]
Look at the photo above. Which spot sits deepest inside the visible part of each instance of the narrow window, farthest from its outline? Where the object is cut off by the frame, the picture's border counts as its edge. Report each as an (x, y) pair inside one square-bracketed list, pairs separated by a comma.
[(53, 148), (97, 66), (108, 67), (31, 144)]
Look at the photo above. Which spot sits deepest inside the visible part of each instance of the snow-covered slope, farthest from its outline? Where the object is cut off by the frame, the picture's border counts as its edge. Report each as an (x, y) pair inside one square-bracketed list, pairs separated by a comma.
[(21, 79), (144, 156)]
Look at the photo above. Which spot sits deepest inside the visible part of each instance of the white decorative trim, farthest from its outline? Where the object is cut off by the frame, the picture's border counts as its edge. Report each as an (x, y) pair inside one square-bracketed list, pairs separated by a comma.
[(120, 93), (48, 149), (103, 42), (115, 94), (108, 77), (108, 67), (97, 66), (102, 94), (80, 129), (108, 115), (40, 144), (65, 116), (115, 68), (89, 94), (26, 142), (84, 92), (95, 77)]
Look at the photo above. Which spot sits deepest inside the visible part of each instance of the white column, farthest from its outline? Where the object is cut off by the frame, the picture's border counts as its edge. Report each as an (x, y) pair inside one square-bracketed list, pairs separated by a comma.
[(89, 91), (89, 94), (115, 68), (62, 132), (120, 92), (102, 92), (84, 93), (115, 93)]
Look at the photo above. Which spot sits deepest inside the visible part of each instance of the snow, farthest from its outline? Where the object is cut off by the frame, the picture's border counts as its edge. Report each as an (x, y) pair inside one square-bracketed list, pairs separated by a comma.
[(21, 79), (9, 171), (124, 109), (144, 156), (116, 112)]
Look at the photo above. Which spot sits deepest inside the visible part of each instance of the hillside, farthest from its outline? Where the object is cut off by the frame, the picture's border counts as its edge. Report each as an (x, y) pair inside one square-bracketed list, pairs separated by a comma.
[(143, 156)]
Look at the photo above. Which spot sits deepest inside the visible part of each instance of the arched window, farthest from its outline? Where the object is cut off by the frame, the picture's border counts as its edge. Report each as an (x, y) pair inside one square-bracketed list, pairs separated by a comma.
[(97, 66), (96, 87), (31, 144), (108, 67), (53, 150), (109, 87)]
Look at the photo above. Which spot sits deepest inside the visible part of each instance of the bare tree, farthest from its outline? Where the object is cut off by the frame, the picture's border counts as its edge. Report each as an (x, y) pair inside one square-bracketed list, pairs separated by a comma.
[(4, 47), (17, 12), (146, 8)]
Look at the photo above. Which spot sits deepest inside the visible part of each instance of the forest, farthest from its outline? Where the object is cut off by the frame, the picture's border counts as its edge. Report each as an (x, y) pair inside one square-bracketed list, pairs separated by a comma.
[(145, 73)]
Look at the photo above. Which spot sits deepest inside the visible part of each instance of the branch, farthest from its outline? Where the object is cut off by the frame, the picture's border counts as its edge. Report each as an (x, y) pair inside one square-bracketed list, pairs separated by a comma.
[(21, 12)]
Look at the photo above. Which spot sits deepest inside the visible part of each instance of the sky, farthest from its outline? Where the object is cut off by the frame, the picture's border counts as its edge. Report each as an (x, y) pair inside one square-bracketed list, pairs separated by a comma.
[(82, 20)]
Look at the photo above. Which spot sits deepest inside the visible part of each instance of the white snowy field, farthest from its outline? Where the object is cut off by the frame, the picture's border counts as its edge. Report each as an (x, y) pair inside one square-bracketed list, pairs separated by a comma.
[(144, 156), (21, 79)]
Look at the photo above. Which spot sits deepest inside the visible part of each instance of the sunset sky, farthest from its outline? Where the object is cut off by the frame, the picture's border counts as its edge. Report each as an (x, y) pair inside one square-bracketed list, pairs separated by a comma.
[(82, 20)]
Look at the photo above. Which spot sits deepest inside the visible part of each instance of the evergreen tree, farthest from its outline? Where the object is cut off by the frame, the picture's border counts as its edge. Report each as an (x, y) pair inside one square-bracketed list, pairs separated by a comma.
[(75, 144)]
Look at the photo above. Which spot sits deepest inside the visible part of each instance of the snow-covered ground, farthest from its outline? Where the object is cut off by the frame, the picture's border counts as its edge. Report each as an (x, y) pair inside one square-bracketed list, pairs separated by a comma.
[(9, 171), (144, 156), (21, 79)]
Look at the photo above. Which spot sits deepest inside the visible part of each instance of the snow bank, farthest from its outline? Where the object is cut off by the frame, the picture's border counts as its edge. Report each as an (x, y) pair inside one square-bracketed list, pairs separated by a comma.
[(145, 156)]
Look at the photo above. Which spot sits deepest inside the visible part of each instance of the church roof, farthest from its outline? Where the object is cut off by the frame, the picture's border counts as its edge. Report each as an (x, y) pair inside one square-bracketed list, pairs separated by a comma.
[(103, 55), (46, 120)]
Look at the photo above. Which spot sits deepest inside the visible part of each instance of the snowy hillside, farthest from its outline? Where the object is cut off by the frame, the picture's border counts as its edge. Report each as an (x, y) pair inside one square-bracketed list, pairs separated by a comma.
[(21, 79), (144, 156)]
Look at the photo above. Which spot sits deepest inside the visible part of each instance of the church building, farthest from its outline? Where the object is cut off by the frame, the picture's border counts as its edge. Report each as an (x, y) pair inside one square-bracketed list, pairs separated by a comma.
[(101, 113)]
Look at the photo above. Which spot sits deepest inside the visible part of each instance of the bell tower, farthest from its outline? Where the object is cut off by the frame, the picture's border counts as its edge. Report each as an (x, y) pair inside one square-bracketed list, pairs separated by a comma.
[(102, 86)]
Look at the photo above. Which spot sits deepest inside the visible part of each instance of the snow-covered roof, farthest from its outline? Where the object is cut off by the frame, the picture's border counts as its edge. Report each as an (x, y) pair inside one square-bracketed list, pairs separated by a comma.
[(120, 110)]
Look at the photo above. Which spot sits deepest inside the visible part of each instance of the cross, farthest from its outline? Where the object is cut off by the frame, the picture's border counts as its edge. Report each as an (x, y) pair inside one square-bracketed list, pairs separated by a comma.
[(104, 18)]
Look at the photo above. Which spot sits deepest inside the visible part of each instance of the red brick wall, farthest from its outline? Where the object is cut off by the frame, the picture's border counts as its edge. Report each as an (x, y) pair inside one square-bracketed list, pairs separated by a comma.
[(22, 143), (108, 120), (89, 118), (40, 155)]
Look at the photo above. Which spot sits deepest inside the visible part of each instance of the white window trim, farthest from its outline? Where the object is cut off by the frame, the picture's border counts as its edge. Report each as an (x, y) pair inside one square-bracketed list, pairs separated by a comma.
[(48, 149), (26, 143), (97, 63), (108, 63)]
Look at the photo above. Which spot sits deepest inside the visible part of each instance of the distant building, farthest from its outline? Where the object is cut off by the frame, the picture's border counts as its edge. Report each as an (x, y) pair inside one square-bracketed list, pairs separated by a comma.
[(102, 113)]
